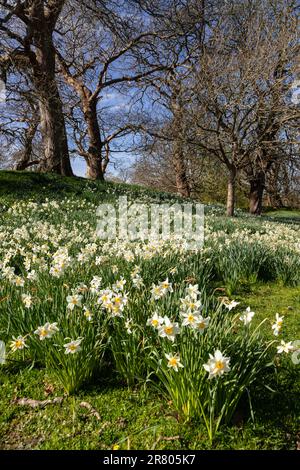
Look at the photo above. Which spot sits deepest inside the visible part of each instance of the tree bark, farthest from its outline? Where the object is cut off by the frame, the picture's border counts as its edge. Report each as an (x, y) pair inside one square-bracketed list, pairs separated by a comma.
[(30, 132), (55, 146), (231, 192), (182, 184), (56, 156), (94, 154), (257, 186)]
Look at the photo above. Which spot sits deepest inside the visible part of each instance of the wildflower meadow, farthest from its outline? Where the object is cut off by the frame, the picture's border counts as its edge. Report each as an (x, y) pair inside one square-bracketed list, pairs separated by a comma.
[(172, 347)]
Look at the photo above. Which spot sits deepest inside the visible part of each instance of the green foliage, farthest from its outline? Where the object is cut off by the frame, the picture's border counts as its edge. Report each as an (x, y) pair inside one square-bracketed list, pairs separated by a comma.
[(50, 257)]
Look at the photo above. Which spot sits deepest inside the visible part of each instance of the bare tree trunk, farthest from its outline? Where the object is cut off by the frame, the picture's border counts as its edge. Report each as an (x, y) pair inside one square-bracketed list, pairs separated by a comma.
[(56, 156), (231, 192), (257, 186), (30, 132), (182, 184), (66, 167), (94, 157)]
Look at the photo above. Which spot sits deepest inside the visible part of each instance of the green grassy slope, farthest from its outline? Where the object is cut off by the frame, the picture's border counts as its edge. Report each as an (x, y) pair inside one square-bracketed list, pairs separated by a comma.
[(26, 185), (139, 419)]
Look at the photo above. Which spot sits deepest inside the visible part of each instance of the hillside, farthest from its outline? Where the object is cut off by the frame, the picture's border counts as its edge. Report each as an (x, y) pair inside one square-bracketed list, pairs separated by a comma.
[(85, 320), (29, 185)]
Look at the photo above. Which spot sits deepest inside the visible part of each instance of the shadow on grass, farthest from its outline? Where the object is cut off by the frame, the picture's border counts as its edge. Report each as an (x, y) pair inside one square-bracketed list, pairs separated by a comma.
[(278, 403)]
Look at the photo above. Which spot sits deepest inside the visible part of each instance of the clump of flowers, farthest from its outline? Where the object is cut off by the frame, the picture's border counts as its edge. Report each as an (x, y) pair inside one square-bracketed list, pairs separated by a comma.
[(203, 356), (46, 331)]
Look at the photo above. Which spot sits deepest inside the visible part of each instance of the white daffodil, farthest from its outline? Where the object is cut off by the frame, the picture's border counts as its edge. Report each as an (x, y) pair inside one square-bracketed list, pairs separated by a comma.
[(189, 319), (193, 291), (87, 313), (285, 347), (105, 297), (201, 323), (32, 275), (128, 326), (120, 284), (276, 327), (73, 346), (116, 311), (95, 284), (137, 281), (128, 256), (98, 260), (166, 286), (231, 305), (46, 331), (55, 271), (74, 301), (247, 316), (168, 329), (120, 299), (115, 269), (19, 281), (8, 272), (43, 332), (155, 321), (191, 304), (174, 361), (135, 272), (52, 327), (18, 343), (27, 300), (157, 292), (217, 364)]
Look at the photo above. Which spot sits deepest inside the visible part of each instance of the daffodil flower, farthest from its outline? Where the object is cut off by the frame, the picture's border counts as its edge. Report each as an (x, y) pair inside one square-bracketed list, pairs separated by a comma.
[(174, 361), (18, 343), (155, 321), (247, 316), (217, 365), (285, 347), (168, 329), (73, 346), (276, 327)]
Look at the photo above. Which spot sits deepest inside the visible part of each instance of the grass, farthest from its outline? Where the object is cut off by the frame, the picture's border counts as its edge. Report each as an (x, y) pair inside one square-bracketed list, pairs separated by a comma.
[(139, 418), (283, 215), (286, 213), (136, 419), (36, 186), (268, 299)]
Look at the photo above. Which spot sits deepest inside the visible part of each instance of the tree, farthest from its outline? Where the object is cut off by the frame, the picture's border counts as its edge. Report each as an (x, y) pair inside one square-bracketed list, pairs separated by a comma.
[(239, 103), (170, 92), (27, 29), (19, 117), (276, 115), (120, 56)]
